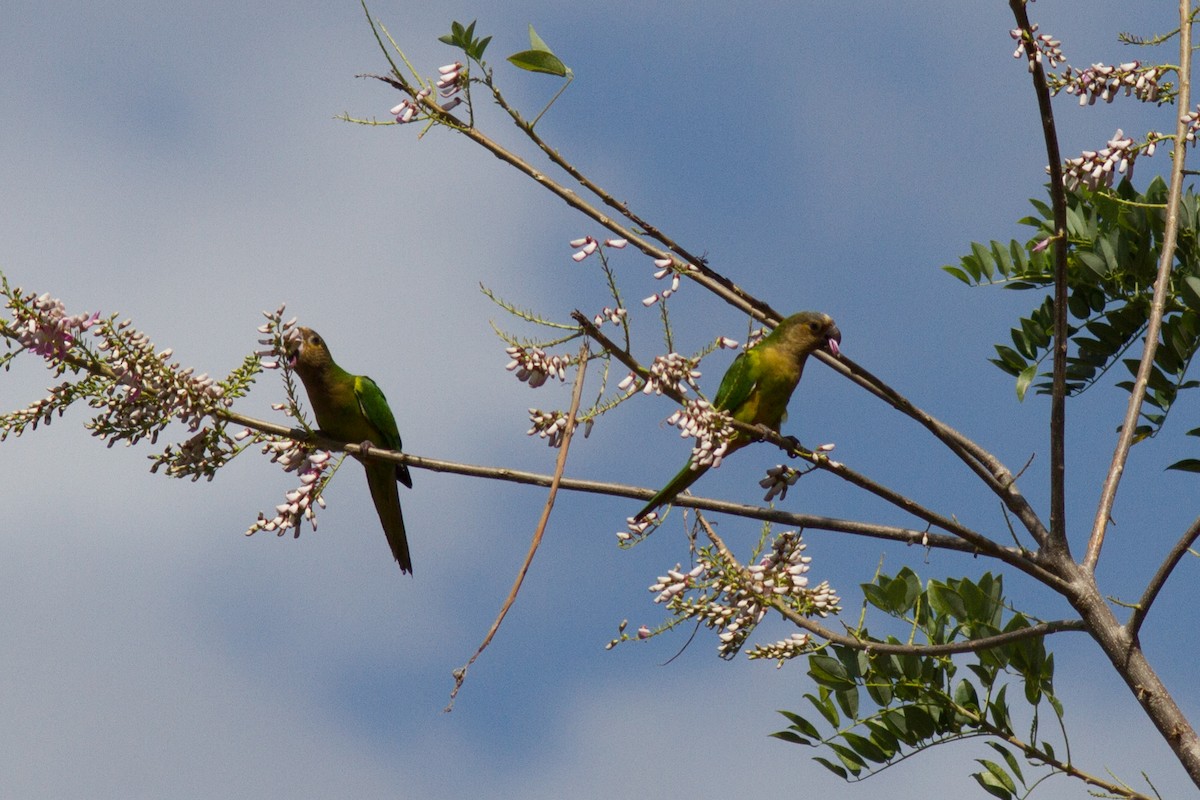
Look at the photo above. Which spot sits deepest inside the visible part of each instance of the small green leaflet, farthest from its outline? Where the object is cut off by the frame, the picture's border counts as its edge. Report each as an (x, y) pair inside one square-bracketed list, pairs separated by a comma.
[(539, 58)]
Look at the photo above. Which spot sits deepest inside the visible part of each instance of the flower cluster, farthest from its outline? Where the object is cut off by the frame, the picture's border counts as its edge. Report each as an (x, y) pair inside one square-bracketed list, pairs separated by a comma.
[(675, 583), (795, 645), (43, 326), (549, 425), (1095, 168), (198, 457), (671, 371), (39, 412), (779, 479), (534, 366), (733, 600), (282, 338), (1192, 120), (311, 466), (665, 267), (1036, 47), (148, 393), (451, 81), (636, 529), (407, 110), (613, 315), (1106, 81), (709, 427), (590, 244)]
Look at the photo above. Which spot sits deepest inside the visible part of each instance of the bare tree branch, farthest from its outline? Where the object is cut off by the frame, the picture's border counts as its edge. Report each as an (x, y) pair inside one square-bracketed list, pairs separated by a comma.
[(1160, 578), (460, 674)]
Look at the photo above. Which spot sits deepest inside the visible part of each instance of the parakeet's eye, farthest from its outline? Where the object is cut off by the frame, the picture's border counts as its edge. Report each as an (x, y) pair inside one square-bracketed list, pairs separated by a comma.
[(814, 326), (316, 340)]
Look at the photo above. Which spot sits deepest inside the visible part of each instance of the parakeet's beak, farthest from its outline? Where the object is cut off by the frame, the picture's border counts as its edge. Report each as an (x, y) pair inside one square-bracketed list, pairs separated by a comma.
[(833, 339)]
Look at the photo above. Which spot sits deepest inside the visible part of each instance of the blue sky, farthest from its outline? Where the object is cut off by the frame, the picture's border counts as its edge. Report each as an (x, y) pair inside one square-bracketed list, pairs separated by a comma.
[(180, 163)]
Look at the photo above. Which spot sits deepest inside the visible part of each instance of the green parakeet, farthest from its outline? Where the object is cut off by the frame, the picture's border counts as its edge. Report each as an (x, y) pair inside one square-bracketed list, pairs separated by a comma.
[(353, 409), (758, 385)]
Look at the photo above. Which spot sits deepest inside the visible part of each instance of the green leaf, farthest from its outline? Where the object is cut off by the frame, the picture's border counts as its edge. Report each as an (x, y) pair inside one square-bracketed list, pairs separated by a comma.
[(825, 708), (1190, 289), (965, 695), (877, 596), (847, 700), (802, 725), (1187, 465), (536, 42), (883, 738), (958, 273), (829, 672), (1094, 263), (995, 781), (849, 758), (538, 61), (539, 58), (945, 600), (1024, 379), (984, 259), (791, 736), (1013, 765), (865, 748), (834, 768), (919, 722)]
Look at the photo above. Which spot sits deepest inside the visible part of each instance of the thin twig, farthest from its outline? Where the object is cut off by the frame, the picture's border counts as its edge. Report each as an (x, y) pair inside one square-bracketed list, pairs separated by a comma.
[(767, 313), (722, 288), (1157, 306), (1160, 578), (460, 674)]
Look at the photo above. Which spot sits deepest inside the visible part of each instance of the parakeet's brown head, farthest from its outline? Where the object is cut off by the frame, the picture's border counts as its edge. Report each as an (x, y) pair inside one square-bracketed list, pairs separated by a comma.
[(809, 331), (308, 352)]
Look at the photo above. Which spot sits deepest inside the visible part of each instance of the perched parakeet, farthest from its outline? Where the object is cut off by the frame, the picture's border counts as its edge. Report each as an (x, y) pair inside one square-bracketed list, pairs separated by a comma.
[(758, 385), (352, 408)]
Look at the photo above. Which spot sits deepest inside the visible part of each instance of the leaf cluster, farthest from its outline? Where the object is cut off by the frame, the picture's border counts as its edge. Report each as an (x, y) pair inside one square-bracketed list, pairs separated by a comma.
[(463, 37), (879, 708), (1114, 242)]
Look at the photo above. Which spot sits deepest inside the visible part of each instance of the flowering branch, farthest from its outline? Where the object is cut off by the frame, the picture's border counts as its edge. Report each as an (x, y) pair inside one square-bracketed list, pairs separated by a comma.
[(887, 648), (1023, 560)]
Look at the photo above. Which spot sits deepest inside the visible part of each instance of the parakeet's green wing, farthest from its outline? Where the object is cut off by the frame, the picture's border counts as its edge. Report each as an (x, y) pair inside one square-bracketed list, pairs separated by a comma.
[(373, 405), (738, 382)]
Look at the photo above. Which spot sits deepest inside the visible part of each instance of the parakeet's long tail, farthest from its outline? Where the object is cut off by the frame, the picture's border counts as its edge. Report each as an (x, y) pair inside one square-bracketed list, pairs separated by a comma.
[(682, 480), (382, 480)]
